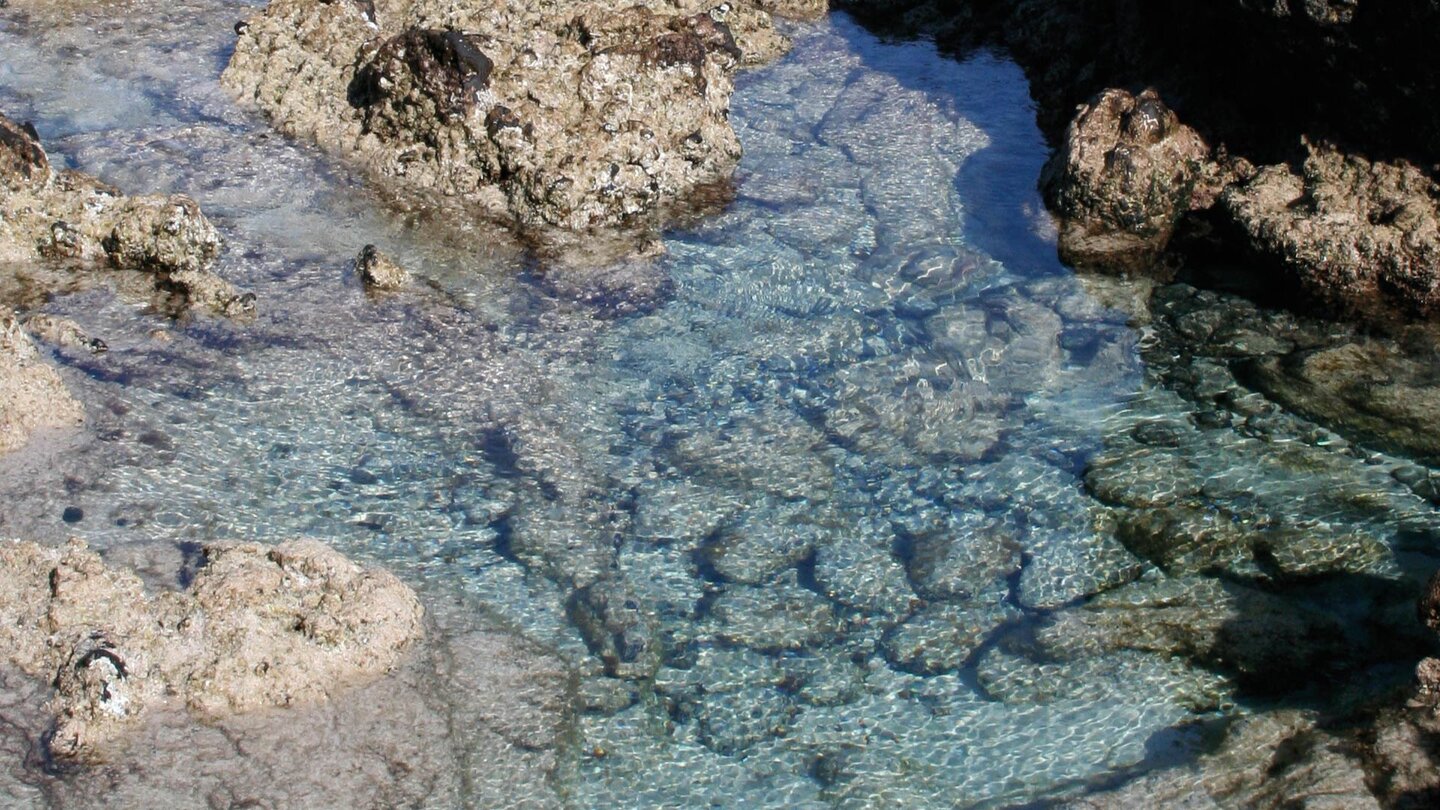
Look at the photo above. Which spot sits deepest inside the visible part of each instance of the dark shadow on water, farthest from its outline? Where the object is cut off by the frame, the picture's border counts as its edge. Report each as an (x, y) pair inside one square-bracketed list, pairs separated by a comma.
[(1004, 214)]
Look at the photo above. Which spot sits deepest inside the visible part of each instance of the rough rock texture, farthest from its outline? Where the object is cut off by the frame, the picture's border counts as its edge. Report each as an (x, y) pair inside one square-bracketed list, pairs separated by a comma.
[(1127, 170), (31, 393), (1369, 389), (1383, 753), (63, 332), (1359, 236), (377, 272), (1256, 79), (1271, 760), (67, 215), (476, 717), (551, 115), (260, 626)]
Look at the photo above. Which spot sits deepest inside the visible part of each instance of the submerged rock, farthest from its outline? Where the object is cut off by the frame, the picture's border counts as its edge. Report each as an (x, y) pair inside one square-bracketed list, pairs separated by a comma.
[(67, 215), (1126, 173), (63, 332), (32, 396), (1360, 237), (1267, 641), (571, 117), (1371, 390), (260, 626), (1275, 759)]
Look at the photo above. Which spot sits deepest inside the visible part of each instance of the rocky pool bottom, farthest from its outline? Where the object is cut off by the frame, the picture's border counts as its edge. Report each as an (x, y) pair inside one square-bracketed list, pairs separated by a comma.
[(854, 498)]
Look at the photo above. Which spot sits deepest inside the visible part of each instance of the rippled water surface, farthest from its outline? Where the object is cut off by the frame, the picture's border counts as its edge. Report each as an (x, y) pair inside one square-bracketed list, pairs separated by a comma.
[(852, 491)]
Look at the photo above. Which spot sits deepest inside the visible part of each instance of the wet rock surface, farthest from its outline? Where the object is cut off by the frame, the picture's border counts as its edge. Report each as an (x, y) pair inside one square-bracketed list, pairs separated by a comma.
[(258, 627), (32, 395), (49, 214), (572, 117)]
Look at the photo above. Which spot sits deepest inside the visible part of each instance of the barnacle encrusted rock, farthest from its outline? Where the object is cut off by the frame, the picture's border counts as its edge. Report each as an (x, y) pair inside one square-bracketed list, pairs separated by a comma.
[(70, 216), (553, 116), (260, 626)]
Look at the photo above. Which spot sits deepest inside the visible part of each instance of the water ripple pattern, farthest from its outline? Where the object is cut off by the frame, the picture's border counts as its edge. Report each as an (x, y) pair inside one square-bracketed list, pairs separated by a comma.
[(862, 515)]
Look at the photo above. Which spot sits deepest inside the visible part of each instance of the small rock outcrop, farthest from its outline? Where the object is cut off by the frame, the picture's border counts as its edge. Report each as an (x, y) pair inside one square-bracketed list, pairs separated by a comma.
[(31, 393), (1360, 237), (260, 626), (377, 271), (1126, 173), (552, 117), (69, 216)]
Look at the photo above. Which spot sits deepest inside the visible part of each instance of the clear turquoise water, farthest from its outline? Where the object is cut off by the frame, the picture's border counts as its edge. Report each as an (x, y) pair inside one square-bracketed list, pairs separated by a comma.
[(839, 470)]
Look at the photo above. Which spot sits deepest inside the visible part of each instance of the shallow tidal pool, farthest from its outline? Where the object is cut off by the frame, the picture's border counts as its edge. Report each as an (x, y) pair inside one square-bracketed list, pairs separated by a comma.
[(893, 509)]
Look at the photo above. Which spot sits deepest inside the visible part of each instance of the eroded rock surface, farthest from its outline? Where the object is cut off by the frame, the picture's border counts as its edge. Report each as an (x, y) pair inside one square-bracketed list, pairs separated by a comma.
[(49, 214), (1359, 236), (260, 626), (1127, 170), (567, 116), (378, 271), (31, 393)]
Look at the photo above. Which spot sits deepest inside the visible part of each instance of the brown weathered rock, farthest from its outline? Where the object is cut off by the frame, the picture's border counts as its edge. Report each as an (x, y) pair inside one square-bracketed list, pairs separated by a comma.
[(71, 216), (377, 272), (261, 626), (1126, 173), (565, 116), (31, 393), (1359, 237), (1273, 760), (293, 623)]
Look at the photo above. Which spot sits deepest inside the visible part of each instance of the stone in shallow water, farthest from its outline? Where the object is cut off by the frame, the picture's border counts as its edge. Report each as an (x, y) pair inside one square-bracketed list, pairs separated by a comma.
[(963, 556), (775, 617), (773, 449), (1273, 759), (1373, 391), (618, 627), (1186, 539), (859, 570), (769, 537), (1016, 679), (1142, 477), (1269, 642), (730, 722), (934, 414), (939, 638)]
